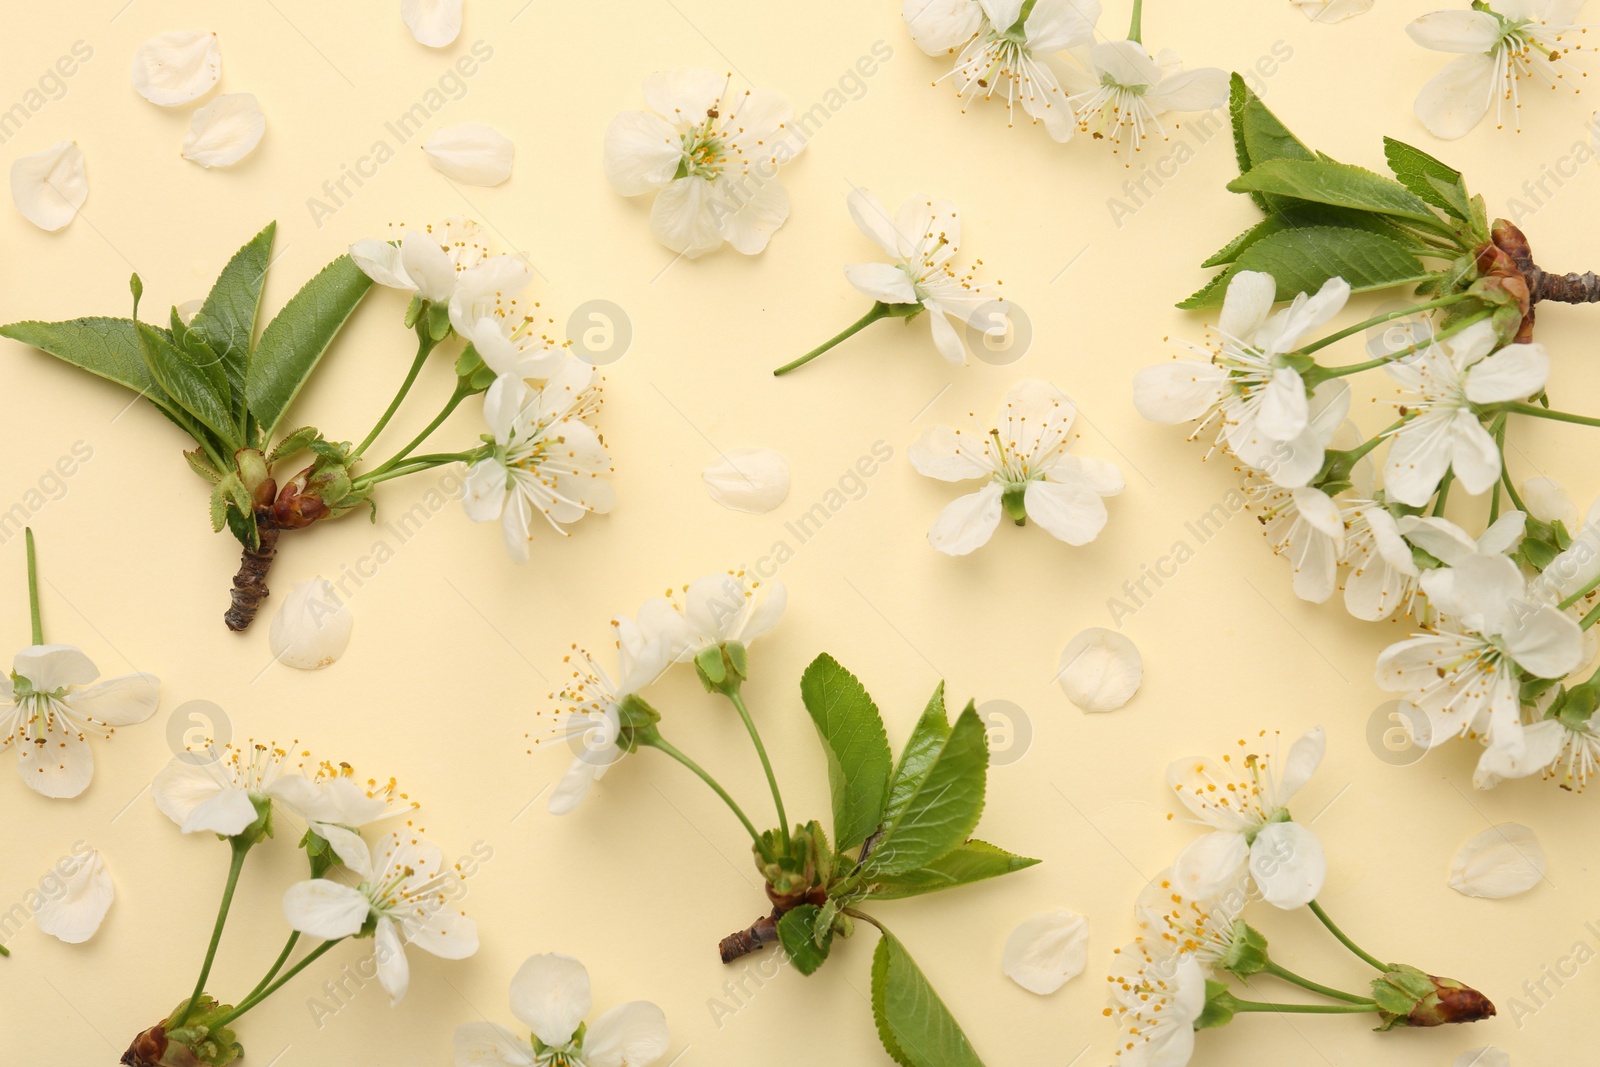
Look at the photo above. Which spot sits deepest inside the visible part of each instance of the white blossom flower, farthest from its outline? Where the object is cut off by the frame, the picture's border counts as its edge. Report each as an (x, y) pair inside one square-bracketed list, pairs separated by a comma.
[(1465, 673), (224, 131), (720, 608), (1202, 927), (48, 709), (219, 790), (711, 155), (1262, 403), (1499, 45), (1046, 951), (1383, 573), (1028, 470), (546, 461), (588, 715), (515, 349), (921, 240), (447, 264), (177, 67), (49, 187), (1306, 527), (77, 898), (1442, 429), (998, 48), (471, 153), (1245, 801), (312, 626), (1566, 752), (435, 23), (1156, 996), (1125, 91), (550, 996), (407, 892)]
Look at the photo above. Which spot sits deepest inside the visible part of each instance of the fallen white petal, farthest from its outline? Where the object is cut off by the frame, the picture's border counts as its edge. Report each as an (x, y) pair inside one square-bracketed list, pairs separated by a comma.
[(49, 187), (1046, 951), (177, 67), (435, 23), (1100, 669), (752, 480), (471, 153), (312, 627), (72, 908), (1483, 1057), (1332, 10), (1500, 862), (225, 131)]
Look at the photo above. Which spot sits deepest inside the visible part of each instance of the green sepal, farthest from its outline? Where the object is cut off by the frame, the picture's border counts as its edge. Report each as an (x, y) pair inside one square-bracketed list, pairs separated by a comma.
[(1220, 1008), (210, 1045), (414, 312), (438, 321), (633, 711), (203, 467), (297, 440), (1247, 955)]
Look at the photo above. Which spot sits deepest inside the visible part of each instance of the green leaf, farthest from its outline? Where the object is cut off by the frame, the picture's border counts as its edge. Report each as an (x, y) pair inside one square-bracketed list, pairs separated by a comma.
[(227, 319), (972, 861), (193, 347), (295, 340), (102, 346), (1302, 259), (1337, 184), (1437, 183), (916, 1029), (188, 386), (852, 734), (936, 795), (1258, 135), (796, 932), (1295, 214)]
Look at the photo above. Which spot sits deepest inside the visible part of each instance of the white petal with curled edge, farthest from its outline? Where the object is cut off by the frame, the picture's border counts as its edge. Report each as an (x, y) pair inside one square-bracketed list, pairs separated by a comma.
[(177, 67), (630, 1035), (225, 131), (1100, 669), (435, 23), (1046, 951), (751, 480), (471, 153), (550, 995), (1500, 862), (1483, 1057), (312, 627), (49, 187), (74, 912)]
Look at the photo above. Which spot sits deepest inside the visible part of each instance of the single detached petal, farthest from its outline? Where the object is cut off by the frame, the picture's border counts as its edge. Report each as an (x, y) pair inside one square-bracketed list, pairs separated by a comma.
[(324, 908), (550, 995), (629, 1035), (312, 626), (435, 23), (490, 1045), (471, 153), (967, 522), (75, 910), (1046, 951), (1100, 669), (1456, 99), (49, 187), (1332, 10), (1287, 862), (752, 480), (1503, 861), (225, 131), (177, 67)]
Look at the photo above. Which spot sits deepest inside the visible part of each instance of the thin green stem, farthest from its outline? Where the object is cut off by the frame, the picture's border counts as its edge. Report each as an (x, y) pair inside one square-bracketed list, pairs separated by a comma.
[(1135, 29), (239, 849), (1322, 916), (1315, 987), (1444, 492), (1511, 490), (1545, 413), (879, 310), (462, 391), (1324, 373), (1591, 618), (1498, 431), (1580, 594), (425, 344), (660, 743), (256, 998), (766, 764), (33, 587), (277, 965), (864, 917), (415, 465), (1240, 1006)]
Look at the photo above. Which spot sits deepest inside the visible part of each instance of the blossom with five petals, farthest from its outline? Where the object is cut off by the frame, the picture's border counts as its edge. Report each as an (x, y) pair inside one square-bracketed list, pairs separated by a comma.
[(1124, 91)]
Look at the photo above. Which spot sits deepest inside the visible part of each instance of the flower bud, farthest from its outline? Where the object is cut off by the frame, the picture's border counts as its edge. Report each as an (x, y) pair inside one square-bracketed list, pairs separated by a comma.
[(1409, 997), (312, 627)]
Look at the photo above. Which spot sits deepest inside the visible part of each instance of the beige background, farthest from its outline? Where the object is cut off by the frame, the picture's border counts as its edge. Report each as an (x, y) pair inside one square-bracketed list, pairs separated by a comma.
[(455, 648)]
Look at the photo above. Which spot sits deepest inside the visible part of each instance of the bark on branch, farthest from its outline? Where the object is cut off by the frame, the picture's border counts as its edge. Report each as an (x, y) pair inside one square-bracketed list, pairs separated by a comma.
[(250, 583)]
